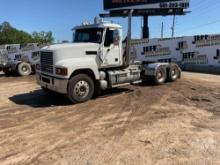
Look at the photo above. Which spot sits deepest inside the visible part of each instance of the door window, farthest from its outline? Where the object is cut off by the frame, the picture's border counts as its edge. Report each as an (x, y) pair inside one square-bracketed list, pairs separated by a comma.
[(109, 39)]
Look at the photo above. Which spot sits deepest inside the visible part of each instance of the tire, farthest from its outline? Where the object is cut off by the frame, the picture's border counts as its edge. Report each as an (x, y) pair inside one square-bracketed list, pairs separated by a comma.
[(174, 73), (80, 88), (24, 69), (161, 76)]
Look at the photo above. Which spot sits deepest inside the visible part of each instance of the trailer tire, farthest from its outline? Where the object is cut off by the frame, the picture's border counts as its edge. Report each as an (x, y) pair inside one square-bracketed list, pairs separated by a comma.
[(174, 73), (24, 69), (161, 76), (80, 88)]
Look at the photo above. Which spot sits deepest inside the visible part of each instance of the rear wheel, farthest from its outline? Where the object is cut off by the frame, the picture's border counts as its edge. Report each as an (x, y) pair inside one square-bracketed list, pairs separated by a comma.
[(161, 76), (174, 73), (80, 88), (24, 69)]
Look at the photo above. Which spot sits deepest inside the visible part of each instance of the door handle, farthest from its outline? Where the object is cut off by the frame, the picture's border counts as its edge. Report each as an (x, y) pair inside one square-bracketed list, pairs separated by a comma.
[(108, 50)]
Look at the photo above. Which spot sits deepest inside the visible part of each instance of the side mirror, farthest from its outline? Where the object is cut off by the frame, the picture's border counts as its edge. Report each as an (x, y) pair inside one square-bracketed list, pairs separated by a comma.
[(74, 35), (116, 37)]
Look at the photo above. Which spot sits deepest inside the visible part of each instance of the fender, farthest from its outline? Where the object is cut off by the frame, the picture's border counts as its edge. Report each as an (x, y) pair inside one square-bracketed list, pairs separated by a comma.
[(151, 69), (13, 64)]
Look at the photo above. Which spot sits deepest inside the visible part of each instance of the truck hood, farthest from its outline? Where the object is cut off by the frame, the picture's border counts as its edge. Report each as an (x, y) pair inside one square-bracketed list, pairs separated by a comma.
[(72, 50), (58, 47)]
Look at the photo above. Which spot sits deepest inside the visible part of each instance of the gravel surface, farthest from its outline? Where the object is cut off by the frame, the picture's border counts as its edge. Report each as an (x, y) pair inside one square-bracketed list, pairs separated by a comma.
[(176, 123)]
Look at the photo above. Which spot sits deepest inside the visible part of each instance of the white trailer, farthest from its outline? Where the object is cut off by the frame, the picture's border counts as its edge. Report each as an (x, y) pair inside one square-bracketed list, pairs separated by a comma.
[(199, 53), (19, 58)]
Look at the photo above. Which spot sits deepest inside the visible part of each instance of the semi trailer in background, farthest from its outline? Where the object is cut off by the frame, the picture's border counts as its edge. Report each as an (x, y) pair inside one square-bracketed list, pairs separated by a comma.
[(200, 53), (19, 58)]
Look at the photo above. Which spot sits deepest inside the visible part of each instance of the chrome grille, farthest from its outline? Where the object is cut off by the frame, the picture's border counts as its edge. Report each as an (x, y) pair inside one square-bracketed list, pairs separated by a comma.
[(3, 59), (46, 59)]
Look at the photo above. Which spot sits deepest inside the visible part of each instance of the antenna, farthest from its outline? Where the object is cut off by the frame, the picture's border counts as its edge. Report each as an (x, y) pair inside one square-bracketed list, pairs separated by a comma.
[(162, 30)]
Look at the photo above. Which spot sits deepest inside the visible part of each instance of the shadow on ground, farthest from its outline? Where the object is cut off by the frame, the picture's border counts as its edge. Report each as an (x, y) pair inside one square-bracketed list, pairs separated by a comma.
[(13, 74), (41, 99), (4, 75)]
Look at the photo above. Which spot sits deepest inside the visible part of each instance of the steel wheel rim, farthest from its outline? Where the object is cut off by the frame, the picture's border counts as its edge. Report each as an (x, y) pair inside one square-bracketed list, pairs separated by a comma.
[(24, 69), (81, 89), (174, 73), (160, 76)]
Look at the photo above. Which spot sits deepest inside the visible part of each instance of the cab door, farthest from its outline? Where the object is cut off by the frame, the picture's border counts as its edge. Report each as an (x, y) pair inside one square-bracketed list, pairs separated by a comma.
[(112, 49)]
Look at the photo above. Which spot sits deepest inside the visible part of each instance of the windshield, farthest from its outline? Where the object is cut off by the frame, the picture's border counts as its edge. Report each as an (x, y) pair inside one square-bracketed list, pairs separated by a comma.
[(89, 35)]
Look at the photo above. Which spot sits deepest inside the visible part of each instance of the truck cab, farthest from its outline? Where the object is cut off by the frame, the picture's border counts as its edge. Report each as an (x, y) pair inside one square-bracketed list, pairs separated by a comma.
[(102, 41), (95, 46), (95, 61)]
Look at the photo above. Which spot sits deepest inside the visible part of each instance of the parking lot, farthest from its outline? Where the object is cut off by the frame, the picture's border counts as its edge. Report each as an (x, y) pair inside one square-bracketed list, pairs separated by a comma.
[(176, 123)]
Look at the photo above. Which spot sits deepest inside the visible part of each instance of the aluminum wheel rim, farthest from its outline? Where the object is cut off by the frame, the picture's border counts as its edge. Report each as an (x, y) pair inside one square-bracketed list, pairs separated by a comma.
[(24, 69), (174, 73), (81, 89), (160, 76)]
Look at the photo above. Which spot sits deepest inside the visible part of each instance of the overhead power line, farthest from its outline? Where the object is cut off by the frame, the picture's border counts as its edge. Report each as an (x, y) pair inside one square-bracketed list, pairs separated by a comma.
[(201, 26)]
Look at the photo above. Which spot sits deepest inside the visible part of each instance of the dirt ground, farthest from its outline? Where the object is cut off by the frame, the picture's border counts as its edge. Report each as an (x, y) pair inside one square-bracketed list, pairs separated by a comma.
[(173, 124)]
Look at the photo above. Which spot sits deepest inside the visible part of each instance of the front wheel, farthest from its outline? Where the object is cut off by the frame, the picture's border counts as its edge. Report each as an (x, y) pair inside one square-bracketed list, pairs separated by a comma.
[(80, 88), (24, 69)]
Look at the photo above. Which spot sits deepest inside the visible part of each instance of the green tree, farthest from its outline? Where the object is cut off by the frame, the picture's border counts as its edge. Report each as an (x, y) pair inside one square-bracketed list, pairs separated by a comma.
[(43, 37), (10, 35)]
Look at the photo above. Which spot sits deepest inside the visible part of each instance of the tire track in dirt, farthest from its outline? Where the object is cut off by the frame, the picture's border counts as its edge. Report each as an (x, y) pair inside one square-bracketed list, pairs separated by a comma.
[(108, 129), (84, 137), (55, 118), (136, 110)]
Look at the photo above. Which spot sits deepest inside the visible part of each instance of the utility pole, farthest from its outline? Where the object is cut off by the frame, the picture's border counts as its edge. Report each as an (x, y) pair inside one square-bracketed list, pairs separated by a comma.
[(173, 27), (162, 30), (145, 27)]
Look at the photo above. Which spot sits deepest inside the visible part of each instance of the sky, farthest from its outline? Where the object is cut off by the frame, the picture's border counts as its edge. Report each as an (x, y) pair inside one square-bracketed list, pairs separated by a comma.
[(60, 16)]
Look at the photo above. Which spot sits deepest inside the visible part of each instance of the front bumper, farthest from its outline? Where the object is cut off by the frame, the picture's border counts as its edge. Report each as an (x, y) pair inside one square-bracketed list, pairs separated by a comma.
[(52, 83)]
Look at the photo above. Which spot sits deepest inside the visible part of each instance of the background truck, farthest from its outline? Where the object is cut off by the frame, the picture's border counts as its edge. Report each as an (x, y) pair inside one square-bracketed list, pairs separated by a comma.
[(199, 53), (97, 60), (18, 58)]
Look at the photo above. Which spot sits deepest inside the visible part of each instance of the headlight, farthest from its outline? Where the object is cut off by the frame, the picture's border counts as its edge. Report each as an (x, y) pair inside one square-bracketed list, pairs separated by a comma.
[(62, 71)]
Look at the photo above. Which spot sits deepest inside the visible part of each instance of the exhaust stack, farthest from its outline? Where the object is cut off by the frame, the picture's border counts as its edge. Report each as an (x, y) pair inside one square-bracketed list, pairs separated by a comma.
[(128, 44)]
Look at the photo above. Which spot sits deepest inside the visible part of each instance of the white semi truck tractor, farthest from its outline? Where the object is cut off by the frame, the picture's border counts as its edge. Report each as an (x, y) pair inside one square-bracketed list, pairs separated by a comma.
[(19, 58), (97, 60)]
